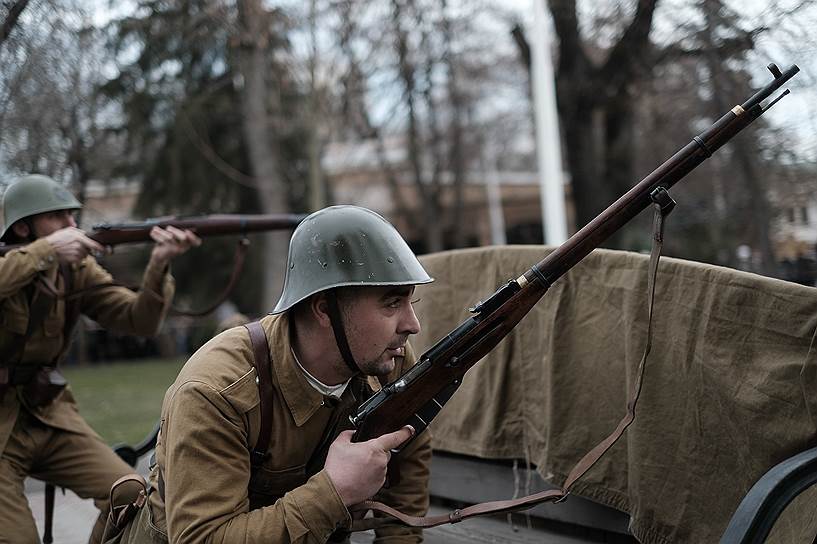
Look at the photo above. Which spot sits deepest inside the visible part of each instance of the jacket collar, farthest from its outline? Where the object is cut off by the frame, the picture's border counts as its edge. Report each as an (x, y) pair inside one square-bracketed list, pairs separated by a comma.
[(301, 398)]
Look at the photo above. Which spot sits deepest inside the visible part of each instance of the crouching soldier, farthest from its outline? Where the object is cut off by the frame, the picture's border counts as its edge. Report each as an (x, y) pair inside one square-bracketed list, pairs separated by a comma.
[(44, 286), (255, 444)]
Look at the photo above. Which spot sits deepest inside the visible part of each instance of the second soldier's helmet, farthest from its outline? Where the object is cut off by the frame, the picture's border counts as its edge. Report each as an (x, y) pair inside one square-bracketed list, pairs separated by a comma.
[(346, 246), (31, 195)]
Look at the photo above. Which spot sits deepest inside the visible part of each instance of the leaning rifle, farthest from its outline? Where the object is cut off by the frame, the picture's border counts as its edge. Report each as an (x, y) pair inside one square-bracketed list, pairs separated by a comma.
[(417, 396)]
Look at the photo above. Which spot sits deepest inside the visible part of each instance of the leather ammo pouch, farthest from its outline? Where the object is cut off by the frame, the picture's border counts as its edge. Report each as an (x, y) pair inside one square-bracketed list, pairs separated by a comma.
[(43, 387)]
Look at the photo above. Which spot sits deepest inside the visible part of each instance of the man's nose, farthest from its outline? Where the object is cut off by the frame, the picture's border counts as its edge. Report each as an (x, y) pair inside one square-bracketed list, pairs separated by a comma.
[(71, 220), (410, 324)]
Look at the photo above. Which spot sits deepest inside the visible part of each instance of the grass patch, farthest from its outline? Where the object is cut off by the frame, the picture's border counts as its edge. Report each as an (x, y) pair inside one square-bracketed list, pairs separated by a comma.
[(122, 401)]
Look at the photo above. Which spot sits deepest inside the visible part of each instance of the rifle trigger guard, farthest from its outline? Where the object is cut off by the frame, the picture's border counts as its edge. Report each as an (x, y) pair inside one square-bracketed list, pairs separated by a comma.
[(661, 196)]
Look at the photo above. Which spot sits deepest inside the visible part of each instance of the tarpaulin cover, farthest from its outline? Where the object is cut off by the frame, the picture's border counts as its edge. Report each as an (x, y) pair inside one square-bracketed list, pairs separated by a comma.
[(730, 387)]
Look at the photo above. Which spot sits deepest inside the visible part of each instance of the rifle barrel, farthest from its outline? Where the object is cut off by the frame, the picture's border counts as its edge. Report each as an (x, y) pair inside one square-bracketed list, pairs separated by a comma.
[(210, 225), (418, 395)]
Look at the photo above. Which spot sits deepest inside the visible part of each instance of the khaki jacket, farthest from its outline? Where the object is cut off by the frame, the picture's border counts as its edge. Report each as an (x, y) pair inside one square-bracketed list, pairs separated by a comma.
[(210, 421), (114, 307)]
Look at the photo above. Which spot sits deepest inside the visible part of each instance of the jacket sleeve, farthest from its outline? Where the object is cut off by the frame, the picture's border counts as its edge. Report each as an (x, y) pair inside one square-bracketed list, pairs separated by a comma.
[(411, 495), (120, 309), (18, 268), (206, 473)]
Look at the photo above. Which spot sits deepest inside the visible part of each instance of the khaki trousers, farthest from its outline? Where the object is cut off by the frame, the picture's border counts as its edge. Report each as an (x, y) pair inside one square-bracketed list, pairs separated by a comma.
[(81, 462)]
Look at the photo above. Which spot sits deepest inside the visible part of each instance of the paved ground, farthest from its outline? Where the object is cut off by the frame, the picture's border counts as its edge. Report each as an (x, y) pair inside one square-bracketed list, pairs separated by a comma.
[(73, 518)]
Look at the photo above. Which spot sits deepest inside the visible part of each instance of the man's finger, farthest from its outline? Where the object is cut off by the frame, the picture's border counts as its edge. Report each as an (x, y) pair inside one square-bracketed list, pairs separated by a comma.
[(177, 233), (90, 243), (345, 436), (194, 239), (160, 235), (393, 440), (187, 237)]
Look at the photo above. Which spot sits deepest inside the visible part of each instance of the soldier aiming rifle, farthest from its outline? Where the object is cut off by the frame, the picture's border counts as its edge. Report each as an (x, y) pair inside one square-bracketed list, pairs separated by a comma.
[(44, 285)]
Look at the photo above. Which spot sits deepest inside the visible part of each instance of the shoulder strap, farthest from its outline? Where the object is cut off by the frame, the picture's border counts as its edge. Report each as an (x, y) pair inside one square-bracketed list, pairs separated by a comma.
[(71, 310), (39, 304), (262, 364)]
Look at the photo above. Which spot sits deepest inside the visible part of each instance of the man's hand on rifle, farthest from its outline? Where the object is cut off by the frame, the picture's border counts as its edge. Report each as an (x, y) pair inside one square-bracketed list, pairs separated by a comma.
[(358, 469), (72, 245), (171, 242)]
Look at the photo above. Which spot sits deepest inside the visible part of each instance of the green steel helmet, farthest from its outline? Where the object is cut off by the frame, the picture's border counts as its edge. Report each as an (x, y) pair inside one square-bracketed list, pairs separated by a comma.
[(34, 194), (346, 246)]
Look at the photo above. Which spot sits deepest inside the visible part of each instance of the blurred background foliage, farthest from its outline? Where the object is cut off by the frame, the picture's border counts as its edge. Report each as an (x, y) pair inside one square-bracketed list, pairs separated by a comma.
[(240, 106)]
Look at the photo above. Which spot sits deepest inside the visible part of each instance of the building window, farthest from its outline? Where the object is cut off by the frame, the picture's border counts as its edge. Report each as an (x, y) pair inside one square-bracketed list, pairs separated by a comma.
[(804, 214)]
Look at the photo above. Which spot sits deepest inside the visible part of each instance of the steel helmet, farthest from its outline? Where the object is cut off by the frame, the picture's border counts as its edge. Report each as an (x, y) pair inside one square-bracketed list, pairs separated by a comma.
[(345, 246), (34, 194)]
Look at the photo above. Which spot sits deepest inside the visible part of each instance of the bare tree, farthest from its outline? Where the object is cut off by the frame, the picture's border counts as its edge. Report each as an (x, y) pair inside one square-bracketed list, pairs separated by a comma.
[(416, 73), (611, 70), (49, 109)]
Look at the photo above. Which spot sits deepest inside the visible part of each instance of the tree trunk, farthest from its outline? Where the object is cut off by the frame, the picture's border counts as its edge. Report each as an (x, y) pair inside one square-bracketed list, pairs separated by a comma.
[(256, 103), (429, 201), (595, 108), (456, 162)]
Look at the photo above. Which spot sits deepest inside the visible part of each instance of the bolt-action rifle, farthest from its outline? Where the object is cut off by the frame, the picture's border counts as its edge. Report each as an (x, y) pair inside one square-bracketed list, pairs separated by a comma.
[(419, 394), (113, 234)]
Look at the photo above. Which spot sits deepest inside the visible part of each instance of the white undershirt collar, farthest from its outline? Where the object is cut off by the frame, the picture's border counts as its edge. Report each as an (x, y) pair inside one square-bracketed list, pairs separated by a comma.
[(334, 391)]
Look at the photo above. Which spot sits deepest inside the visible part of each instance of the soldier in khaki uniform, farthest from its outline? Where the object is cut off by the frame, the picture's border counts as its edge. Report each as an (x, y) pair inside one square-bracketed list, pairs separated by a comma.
[(338, 332), (41, 432)]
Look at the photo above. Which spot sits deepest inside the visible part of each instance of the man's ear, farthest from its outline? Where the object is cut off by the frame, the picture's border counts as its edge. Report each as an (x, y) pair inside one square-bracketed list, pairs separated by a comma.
[(21, 230), (319, 308)]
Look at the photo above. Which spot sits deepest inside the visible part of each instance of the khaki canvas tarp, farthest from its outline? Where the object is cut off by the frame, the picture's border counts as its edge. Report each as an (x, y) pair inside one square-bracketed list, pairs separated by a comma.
[(730, 387)]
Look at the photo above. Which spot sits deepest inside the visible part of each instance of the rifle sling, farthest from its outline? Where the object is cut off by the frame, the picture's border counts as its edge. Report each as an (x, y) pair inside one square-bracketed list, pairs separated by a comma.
[(663, 205), (238, 264)]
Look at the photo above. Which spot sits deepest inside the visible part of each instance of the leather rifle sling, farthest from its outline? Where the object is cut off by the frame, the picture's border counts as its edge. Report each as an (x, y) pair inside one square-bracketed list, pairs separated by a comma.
[(663, 205), (238, 265)]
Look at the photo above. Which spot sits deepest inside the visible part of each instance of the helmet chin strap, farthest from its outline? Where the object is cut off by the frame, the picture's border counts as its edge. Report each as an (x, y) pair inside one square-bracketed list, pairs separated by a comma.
[(340, 333)]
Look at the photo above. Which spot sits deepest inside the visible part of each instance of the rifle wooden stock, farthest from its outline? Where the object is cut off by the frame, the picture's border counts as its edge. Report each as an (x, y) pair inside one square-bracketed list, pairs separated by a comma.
[(111, 234), (418, 395)]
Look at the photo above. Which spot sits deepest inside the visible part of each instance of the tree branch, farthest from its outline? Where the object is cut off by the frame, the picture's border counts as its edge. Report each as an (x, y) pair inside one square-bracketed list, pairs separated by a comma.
[(11, 20)]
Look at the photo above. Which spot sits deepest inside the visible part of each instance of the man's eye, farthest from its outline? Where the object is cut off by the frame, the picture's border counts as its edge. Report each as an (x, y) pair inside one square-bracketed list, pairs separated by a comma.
[(416, 300)]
